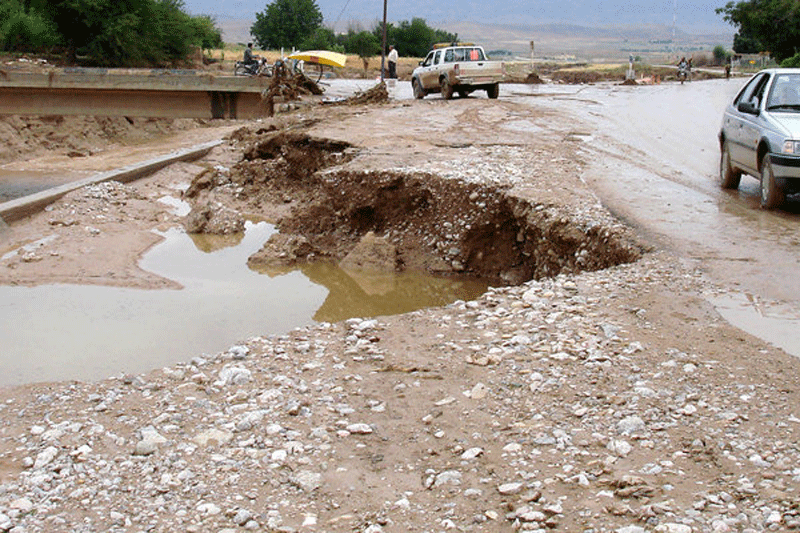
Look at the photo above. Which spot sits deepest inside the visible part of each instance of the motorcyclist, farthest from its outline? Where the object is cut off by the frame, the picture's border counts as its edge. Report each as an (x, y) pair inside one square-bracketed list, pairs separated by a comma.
[(250, 60), (684, 69)]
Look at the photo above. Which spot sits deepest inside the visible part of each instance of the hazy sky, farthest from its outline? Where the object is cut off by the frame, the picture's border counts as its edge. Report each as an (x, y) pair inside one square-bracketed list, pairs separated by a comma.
[(693, 16)]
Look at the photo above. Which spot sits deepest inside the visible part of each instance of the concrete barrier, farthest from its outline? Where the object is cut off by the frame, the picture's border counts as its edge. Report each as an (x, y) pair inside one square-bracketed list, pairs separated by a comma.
[(20, 208)]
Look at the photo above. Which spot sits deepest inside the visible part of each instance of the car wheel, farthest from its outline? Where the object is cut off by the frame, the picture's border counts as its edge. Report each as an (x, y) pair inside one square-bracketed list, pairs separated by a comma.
[(419, 94), (447, 89), (493, 91), (729, 178), (771, 194)]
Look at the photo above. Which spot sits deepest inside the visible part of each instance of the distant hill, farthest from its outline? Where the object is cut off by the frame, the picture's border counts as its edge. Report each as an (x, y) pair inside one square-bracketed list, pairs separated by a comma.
[(697, 17), (612, 43)]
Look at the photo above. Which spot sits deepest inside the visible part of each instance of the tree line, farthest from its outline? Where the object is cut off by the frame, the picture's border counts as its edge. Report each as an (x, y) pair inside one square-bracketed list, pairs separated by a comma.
[(766, 26), (299, 24), (118, 33)]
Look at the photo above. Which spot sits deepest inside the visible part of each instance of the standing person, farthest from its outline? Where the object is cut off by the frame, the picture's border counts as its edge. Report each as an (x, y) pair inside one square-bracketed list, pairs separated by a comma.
[(392, 61)]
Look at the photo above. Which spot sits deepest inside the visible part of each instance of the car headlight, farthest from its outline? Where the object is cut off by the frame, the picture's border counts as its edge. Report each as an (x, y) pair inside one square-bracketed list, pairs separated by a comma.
[(791, 147)]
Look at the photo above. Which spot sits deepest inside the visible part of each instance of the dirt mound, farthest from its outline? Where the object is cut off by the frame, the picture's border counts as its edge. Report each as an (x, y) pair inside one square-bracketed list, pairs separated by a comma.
[(26, 136), (533, 79), (375, 95), (574, 77), (629, 82)]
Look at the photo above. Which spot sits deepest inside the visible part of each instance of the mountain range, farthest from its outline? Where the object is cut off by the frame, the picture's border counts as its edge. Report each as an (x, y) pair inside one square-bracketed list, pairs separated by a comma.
[(696, 17), (557, 26)]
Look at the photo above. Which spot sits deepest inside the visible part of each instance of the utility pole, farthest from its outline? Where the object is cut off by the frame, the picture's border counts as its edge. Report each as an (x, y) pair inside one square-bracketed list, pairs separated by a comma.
[(383, 44)]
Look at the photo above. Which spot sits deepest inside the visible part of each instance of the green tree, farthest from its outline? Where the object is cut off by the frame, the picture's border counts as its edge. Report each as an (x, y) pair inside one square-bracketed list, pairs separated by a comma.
[(769, 25), (24, 31), (363, 43), (207, 34), (322, 39), (721, 55), (126, 32), (745, 44), (413, 38), (286, 23), (792, 62)]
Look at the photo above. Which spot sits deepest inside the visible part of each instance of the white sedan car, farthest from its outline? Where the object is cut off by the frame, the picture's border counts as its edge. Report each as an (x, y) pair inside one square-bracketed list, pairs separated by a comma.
[(760, 135)]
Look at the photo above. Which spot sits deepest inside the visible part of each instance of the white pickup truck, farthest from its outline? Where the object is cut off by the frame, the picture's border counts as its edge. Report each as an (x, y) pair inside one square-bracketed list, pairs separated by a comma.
[(457, 68)]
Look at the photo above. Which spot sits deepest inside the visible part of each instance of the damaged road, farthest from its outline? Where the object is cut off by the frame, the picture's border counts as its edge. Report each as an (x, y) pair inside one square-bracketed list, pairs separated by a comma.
[(594, 389)]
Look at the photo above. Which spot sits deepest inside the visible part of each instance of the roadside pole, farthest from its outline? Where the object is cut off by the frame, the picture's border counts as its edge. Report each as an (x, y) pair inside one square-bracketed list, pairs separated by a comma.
[(383, 44)]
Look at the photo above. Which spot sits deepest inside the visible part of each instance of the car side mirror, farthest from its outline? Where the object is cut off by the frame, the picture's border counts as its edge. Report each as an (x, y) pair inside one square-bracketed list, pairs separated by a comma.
[(748, 107)]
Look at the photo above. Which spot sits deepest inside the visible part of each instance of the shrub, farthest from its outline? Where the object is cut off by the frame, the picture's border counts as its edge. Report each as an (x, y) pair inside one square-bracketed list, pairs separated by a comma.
[(21, 32)]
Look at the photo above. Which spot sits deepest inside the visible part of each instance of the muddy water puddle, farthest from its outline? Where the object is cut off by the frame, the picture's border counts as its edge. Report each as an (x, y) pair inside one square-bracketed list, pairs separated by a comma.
[(63, 332), (772, 322), (19, 183)]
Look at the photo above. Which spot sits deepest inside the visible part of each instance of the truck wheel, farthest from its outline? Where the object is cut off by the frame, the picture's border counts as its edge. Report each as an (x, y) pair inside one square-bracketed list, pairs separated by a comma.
[(419, 94), (447, 89), (493, 91), (771, 194), (728, 177)]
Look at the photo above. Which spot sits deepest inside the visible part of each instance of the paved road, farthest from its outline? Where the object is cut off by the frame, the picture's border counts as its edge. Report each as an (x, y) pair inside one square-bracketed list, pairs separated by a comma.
[(654, 159)]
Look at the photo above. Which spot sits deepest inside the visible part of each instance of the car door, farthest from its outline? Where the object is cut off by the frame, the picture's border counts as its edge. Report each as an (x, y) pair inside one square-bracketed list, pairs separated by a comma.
[(430, 76), (745, 124)]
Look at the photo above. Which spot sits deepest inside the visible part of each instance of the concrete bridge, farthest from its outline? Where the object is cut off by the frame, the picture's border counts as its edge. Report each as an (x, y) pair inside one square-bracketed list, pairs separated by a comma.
[(147, 93)]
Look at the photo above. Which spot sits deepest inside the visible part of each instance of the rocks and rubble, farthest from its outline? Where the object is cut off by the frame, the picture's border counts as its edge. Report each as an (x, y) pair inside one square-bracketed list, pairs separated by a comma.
[(608, 400), (361, 425)]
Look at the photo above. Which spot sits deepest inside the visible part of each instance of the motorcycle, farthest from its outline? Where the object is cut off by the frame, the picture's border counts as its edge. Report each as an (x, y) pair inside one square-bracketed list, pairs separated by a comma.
[(259, 68)]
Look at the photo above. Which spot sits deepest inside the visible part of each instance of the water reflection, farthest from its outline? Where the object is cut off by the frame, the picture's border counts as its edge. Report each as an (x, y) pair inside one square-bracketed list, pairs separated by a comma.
[(772, 322), (61, 332), (19, 183), (364, 294)]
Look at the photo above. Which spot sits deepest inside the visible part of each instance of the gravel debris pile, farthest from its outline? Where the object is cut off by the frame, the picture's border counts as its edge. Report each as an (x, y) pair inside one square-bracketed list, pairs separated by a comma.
[(539, 407)]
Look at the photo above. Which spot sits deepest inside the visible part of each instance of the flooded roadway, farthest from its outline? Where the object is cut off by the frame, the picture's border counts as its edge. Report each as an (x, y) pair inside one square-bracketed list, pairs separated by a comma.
[(653, 160), (93, 332)]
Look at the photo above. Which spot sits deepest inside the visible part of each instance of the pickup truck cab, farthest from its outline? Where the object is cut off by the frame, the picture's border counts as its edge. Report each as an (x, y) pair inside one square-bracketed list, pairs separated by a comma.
[(457, 68)]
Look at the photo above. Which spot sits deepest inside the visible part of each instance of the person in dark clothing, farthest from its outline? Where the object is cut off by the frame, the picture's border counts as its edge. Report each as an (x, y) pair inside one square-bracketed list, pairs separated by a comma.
[(249, 58)]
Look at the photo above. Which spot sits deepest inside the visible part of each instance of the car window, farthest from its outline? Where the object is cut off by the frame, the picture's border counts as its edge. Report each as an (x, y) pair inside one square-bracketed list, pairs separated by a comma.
[(459, 52), (428, 60), (784, 94), (436, 57), (752, 90), (476, 54), (448, 56)]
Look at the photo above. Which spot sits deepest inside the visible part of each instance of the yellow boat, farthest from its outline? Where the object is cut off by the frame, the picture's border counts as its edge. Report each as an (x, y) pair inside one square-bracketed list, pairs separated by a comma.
[(321, 57)]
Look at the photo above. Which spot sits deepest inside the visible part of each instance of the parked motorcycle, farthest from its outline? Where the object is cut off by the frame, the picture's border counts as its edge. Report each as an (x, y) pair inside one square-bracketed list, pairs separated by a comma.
[(259, 68)]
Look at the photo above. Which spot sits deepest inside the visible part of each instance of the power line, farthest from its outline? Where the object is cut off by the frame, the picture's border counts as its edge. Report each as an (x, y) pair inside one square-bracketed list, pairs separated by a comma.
[(340, 14)]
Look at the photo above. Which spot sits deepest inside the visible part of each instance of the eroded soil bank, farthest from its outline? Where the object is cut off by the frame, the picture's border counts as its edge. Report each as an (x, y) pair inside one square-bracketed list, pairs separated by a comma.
[(593, 397), (441, 225)]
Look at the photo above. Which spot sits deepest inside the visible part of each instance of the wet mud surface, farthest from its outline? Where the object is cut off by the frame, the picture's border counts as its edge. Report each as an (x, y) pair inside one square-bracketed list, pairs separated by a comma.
[(594, 388)]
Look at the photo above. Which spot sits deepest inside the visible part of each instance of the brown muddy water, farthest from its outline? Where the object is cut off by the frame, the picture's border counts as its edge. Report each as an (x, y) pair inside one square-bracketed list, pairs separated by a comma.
[(64, 332)]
